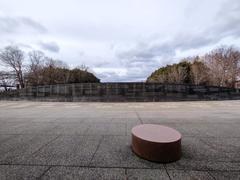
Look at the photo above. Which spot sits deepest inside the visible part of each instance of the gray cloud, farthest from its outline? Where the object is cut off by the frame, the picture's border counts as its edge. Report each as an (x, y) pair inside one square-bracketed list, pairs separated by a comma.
[(145, 58), (16, 24), (144, 51), (229, 19), (226, 24), (37, 26), (50, 46), (156, 53), (22, 45)]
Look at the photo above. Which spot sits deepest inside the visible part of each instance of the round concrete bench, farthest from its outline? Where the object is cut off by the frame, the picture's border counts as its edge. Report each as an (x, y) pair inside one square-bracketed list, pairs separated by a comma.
[(156, 143)]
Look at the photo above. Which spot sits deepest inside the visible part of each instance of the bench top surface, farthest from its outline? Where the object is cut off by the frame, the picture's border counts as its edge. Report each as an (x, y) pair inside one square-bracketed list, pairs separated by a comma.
[(156, 133)]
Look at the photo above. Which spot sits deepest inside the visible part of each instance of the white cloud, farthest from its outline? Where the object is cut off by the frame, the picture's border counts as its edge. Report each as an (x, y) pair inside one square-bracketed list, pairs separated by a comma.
[(49, 46), (20, 25)]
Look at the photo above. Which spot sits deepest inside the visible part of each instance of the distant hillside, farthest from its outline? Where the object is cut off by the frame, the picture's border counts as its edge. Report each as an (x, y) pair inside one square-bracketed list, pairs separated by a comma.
[(36, 68), (55, 75), (220, 67), (184, 72)]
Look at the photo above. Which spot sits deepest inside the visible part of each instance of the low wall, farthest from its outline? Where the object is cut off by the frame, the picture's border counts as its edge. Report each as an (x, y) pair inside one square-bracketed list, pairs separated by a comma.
[(122, 92)]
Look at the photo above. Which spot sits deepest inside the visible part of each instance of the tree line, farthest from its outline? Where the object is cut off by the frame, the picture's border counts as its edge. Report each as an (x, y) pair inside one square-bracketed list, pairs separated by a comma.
[(35, 68), (220, 67)]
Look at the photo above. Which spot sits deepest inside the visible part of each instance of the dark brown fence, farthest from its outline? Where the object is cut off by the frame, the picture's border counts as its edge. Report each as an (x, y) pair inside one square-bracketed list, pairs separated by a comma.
[(123, 92)]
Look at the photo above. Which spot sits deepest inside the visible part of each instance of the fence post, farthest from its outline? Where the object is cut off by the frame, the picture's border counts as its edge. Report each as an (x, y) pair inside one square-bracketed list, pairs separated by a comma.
[(37, 91)]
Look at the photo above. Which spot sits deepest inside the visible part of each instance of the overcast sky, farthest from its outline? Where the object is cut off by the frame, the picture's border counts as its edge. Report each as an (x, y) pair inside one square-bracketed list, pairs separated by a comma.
[(120, 40)]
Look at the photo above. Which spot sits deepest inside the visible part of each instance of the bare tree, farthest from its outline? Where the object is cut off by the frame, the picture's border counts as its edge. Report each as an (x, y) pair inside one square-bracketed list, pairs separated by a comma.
[(37, 61), (50, 62), (83, 67), (233, 66), (199, 72), (224, 65), (179, 73), (13, 57)]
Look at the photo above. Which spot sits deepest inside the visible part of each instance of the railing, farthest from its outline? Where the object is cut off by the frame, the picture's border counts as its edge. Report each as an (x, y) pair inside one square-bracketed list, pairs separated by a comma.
[(125, 92)]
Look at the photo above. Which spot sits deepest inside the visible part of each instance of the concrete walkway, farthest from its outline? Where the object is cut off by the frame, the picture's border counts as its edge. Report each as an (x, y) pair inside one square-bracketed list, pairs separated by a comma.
[(49, 140)]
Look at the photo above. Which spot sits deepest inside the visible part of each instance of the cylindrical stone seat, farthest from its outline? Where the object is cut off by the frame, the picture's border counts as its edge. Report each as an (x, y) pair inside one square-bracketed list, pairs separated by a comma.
[(156, 143)]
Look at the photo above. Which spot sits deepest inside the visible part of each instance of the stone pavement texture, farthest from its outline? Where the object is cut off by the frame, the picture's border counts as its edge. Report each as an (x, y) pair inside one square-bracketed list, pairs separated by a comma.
[(56, 140)]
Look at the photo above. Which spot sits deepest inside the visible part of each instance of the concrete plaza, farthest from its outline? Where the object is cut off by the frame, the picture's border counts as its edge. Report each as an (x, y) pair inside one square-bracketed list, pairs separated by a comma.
[(58, 140)]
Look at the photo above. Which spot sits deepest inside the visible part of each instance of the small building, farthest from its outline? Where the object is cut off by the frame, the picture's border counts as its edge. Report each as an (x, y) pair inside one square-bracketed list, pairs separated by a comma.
[(7, 81)]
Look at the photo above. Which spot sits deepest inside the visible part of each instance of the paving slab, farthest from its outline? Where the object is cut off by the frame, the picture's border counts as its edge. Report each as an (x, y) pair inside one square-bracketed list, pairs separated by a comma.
[(20, 147), (72, 173), (189, 175), (149, 174), (8, 172), (106, 129), (228, 146), (195, 149), (26, 128), (66, 150), (12, 127), (221, 175), (36, 128), (115, 151), (93, 140), (70, 128), (235, 156), (222, 130), (187, 129), (126, 120), (205, 165), (5, 137), (64, 120)]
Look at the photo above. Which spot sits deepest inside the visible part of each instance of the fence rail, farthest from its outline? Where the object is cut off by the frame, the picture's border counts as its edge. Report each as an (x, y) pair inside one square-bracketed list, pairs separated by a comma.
[(124, 92)]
